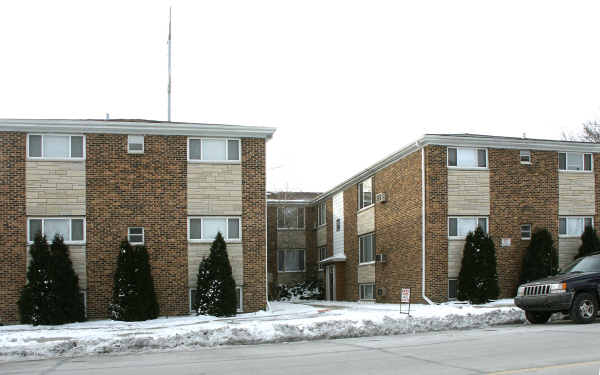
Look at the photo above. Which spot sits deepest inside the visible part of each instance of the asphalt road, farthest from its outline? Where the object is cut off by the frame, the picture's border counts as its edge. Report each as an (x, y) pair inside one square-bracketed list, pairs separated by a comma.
[(557, 348)]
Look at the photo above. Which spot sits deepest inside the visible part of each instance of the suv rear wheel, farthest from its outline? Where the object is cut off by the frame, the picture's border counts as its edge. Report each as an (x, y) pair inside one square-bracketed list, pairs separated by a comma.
[(537, 317), (584, 308)]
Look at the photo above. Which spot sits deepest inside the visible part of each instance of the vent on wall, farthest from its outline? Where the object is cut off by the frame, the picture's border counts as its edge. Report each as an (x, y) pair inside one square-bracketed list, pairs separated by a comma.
[(380, 198), (381, 292)]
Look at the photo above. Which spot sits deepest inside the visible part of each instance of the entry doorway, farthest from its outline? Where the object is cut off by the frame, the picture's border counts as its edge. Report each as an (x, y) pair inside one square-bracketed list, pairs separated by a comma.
[(330, 282)]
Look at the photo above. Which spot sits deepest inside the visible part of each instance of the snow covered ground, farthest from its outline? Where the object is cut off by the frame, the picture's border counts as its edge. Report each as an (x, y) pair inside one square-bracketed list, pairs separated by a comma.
[(310, 320)]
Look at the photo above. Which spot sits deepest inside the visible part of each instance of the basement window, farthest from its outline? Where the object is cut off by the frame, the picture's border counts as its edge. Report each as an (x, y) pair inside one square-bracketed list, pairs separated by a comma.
[(135, 144), (135, 235)]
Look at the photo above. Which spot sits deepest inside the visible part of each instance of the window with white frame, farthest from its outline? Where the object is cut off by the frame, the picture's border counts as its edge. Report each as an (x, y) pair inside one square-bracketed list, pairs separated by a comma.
[(365, 193), (214, 150), (205, 228), (291, 260), (452, 288), (135, 235), (460, 226), (72, 229), (290, 217), (574, 161), (55, 147), (366, 248), (573, 226), (525, 156), (463, 157), (526, 231), (135, 144), (322, 216), (367, 292), (322, 255), (239, 293)]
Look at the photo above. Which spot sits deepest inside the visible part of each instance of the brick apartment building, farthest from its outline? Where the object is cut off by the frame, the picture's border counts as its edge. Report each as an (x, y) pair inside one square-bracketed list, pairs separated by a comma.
[(170, 186), (401, 223)]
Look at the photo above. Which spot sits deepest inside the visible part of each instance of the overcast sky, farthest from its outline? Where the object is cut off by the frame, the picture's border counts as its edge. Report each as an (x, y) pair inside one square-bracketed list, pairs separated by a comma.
[(345, 82)]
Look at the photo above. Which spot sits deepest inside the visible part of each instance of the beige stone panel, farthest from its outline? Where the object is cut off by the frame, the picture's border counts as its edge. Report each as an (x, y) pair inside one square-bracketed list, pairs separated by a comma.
[(78, 258), (567, 250), (576, 193), (291, 239), (199, 251), (214, 189), (455, 254), (468, 192), (322, 236), (366, 273), (290, 278), (365, 221), (55, 188)]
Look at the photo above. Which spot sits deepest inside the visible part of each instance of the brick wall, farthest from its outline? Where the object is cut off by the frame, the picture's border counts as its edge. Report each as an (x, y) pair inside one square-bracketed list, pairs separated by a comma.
[(520, 194), (436, 223), (398, 228), (146, 190), (350, 244), (253, 223), (12, 223)]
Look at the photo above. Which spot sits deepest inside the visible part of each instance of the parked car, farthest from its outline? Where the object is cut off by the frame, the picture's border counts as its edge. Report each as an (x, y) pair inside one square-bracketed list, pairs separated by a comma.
[(574, 291)]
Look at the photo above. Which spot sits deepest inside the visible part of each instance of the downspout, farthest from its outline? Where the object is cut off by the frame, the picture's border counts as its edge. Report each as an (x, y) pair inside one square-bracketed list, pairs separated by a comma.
[(423, 224), (266, 240)]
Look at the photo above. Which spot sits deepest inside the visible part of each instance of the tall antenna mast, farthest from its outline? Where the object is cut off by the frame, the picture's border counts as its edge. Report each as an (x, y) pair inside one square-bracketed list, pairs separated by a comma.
[(169, 88)]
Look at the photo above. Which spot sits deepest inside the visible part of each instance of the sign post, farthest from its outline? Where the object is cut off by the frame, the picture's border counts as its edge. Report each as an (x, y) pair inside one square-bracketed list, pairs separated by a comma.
[(405, 298)]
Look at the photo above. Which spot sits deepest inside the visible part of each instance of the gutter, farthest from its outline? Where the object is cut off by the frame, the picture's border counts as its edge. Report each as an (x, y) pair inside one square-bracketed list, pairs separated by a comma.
[(423, 223)]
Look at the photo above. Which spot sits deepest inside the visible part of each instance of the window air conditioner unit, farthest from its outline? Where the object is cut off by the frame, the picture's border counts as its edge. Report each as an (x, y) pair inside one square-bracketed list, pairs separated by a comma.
[(380, 198), (381, 292), (380, 258)]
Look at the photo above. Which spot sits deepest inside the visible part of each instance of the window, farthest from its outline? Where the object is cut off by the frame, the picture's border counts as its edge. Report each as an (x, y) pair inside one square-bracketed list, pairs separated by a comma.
[(322, 213), (365, 193), (573, 226), (213, 150), (83, 296), (206, 228), (526, 231), (322, 255), (193, 300), (366, 248), (574, 161), (71, 229), (240, 298), (290, 217), (55, 147), (525, 157), (459, 227), (461, 157), (367, 291), (290, 260), (135, 144), (135, 235), (452, 288), (338, 224)]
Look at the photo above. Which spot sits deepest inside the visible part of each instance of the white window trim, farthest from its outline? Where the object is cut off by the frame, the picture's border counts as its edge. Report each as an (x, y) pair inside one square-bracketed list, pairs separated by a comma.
[(83, 242), (239, 161), (372, 194), (372, 234), (287, 228), (573, 217), (583, 162), (367, 299), (130, 151), (521, 230), (487, 225), (143, 236), (33, 158), (487, 162), (324, 214), (525, 162), (365, 208), (225, 235), (303, 271)]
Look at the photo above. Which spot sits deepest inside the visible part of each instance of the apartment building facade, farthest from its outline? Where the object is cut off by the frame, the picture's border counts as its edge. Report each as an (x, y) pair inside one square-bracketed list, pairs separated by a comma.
[(402, 222), (170, 186)]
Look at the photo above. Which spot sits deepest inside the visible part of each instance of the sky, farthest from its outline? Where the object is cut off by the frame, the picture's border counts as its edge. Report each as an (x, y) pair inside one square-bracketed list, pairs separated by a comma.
[(344, 82)]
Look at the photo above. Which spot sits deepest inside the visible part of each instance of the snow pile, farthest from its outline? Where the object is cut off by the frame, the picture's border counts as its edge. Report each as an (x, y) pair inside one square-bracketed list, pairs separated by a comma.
[(304, 290), (286, 322)]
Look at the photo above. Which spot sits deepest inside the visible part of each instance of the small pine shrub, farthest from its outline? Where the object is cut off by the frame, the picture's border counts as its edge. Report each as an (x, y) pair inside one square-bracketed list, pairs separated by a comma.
[(541, 257), (478, 278), (33, 303), (589, 242), (215, 288)]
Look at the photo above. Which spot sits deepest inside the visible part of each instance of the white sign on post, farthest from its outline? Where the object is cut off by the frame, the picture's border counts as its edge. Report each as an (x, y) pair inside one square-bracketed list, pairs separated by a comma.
[(405, 295)]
